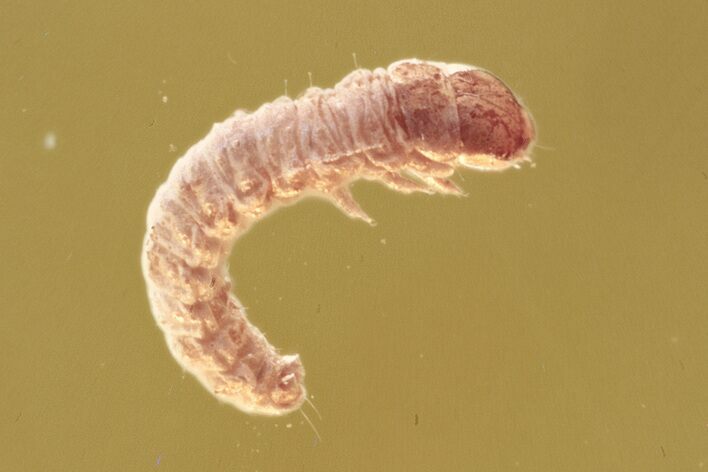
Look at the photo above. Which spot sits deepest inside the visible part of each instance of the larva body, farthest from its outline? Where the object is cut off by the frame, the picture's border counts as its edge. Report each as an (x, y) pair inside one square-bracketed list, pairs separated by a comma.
[(408, 127)]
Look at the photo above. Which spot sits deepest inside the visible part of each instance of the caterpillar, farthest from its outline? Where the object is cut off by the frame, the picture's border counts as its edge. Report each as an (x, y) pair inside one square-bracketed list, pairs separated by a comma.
[(409, 126)]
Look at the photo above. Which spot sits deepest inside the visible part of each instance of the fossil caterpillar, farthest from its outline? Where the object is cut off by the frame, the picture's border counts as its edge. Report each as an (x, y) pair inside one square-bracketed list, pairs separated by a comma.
[(408, 126)]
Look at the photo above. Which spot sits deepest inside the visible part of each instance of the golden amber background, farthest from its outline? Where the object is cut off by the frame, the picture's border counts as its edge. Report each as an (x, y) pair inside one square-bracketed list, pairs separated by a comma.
[(555, 320)]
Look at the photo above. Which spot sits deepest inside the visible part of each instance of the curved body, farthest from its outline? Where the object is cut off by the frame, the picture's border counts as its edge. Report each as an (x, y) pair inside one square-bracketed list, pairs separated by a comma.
[(408, 126)]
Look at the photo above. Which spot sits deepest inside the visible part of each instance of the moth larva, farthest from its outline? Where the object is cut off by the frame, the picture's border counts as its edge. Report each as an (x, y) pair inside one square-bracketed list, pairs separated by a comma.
[(408, 127)]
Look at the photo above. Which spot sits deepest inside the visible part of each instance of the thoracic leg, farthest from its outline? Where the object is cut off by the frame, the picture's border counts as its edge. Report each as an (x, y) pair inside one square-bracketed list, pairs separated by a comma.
[(424, 165), (425, 184), (441, 185), (343, 199), (433, 173), (402, 184)]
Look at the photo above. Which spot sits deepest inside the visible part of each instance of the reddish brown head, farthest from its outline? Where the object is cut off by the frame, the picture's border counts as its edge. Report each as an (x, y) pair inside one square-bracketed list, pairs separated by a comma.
[(454, 111), (492, 121)]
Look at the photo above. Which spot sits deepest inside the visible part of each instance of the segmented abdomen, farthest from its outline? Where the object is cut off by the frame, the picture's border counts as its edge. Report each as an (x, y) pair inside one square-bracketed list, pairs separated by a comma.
[(224, 183)]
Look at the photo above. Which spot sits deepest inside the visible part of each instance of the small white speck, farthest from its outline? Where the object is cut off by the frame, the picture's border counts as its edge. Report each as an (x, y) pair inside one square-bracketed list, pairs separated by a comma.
[(643, 405), (50, 141), (164, 81), (172, 148), (383, 241), (289, 425), (24, 110), (164, 99), (348, 267), (420, 355)]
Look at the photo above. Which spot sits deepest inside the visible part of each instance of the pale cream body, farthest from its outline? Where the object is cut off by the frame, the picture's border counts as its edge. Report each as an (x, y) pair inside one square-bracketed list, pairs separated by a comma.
[(244, 168)]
